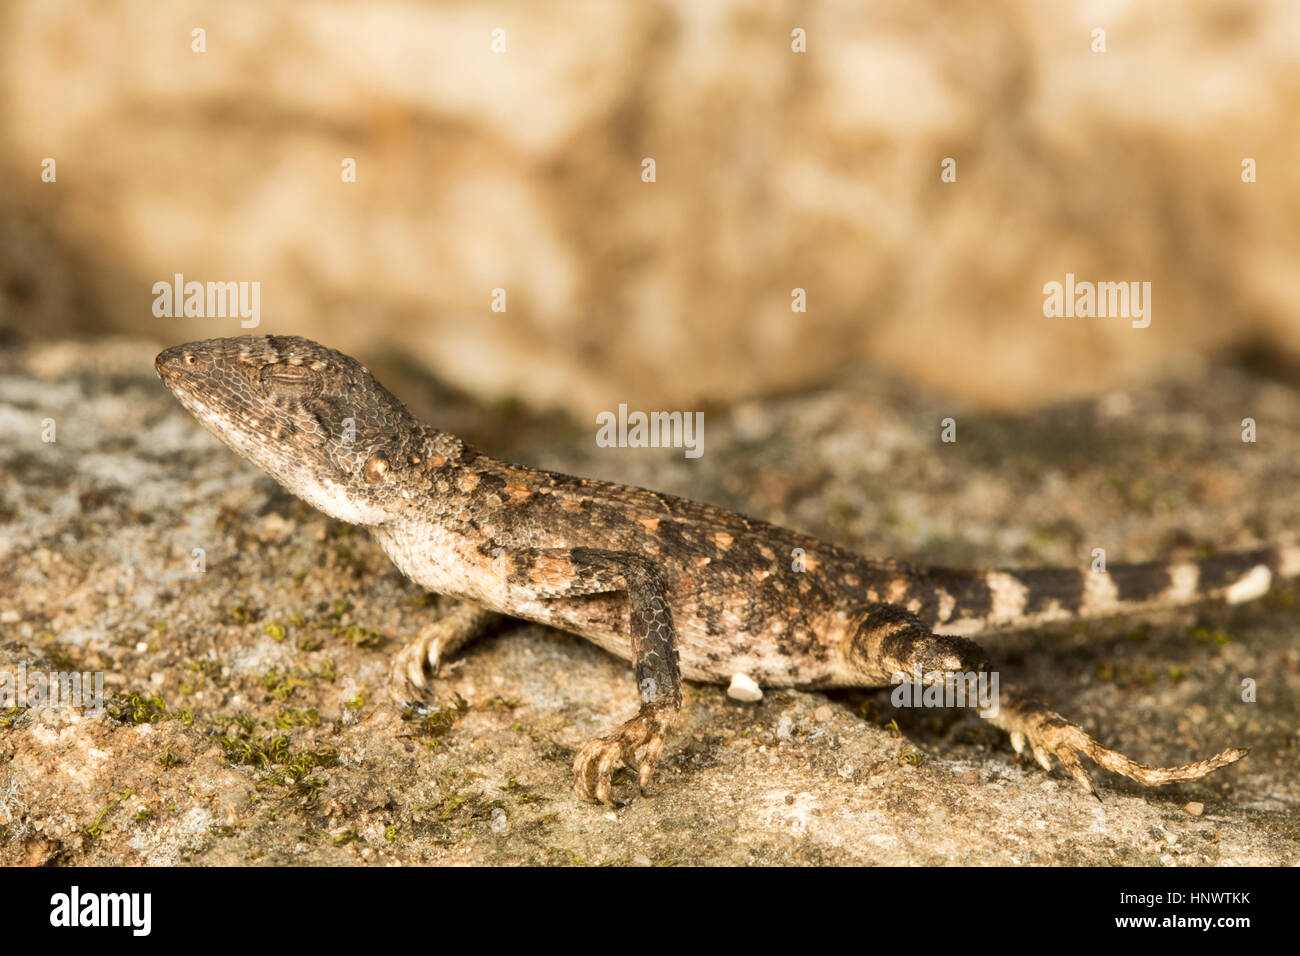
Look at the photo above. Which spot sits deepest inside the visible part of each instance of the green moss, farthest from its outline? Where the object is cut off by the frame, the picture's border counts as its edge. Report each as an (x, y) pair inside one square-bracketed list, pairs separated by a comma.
[(429, 727), (243, 721), (201, 671), (259, 751), (1206, 635), (513, 787), (287, 769), (275, 631), (287, 717), (96, 828), (280, 684), (360, 636), (455, 811), (350, 835), (61, 659), (131, 707), (868, 710), (307, 760), (309, 641)]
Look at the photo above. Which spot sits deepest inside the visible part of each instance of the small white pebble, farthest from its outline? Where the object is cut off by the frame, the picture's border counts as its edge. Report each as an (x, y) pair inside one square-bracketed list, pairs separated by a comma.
[(1195, 809), (785, 727), (743, 688), (1254, 584), (141, 647), (9, 617)]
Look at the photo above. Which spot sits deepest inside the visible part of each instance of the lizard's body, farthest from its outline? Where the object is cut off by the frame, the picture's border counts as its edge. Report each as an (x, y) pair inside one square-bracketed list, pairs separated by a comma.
[(738, 604), (650, 577)]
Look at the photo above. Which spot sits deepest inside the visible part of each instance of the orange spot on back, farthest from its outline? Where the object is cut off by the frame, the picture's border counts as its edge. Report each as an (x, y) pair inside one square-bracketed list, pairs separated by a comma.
[(517, 493)]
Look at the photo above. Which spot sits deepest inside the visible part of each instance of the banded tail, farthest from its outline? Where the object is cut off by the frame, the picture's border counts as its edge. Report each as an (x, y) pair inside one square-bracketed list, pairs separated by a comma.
[(967, 602)]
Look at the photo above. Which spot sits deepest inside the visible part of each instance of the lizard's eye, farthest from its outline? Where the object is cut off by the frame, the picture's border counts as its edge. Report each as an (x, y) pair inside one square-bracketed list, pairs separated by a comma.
[(189, 358), (289, 381), (375, 468)]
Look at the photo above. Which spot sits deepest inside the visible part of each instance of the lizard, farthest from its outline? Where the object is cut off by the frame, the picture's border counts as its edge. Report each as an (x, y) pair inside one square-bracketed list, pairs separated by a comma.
[(682, 589)]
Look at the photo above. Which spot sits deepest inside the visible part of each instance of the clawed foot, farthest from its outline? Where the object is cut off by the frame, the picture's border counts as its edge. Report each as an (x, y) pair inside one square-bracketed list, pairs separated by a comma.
[(414, 669), (595, 763), (1049, 735), (416, 665)]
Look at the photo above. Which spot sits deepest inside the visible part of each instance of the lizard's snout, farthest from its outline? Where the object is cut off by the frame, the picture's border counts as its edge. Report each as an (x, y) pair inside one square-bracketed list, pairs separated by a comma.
[(170, 362)]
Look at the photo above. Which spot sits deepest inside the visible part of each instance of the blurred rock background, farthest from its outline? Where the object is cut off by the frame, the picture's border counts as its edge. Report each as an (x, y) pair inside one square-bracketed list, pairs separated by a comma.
[(522, 170)]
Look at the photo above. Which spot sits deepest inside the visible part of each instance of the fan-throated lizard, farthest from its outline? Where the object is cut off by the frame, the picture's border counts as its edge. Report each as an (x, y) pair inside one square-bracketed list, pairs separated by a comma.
[(681, 589)]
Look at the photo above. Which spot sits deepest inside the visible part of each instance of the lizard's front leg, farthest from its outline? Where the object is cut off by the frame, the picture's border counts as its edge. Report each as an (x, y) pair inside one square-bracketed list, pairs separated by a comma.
[(418, 661), (554, 574)]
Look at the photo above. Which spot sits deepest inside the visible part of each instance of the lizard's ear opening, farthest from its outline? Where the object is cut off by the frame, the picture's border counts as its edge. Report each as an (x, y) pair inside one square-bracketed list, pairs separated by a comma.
[(296, 382)]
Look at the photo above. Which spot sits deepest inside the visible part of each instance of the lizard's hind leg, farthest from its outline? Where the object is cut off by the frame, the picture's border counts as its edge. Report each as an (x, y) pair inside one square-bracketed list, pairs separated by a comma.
[(891, 644), (418, 662)]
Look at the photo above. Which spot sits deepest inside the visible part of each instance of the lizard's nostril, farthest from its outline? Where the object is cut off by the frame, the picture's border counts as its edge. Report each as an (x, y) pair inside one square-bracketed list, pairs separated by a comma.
[(169, 360)]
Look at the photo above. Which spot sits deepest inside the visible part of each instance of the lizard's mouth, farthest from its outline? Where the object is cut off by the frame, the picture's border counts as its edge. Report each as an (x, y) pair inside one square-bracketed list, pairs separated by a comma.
[(167, 365)]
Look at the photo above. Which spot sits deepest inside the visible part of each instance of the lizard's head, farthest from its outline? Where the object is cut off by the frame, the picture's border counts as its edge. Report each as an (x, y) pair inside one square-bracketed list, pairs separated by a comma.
[(313, 418)]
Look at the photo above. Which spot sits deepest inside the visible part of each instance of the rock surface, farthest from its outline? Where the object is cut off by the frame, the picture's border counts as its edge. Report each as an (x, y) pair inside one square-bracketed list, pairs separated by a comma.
[(251, 723)]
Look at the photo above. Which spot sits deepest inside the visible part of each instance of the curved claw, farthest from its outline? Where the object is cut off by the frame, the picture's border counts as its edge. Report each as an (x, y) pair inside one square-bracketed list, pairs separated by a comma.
[(413, 670), (594, 765)]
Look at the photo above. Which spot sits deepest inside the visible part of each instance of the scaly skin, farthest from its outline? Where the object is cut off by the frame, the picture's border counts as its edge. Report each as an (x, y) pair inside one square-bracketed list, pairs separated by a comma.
[(680, 588)]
